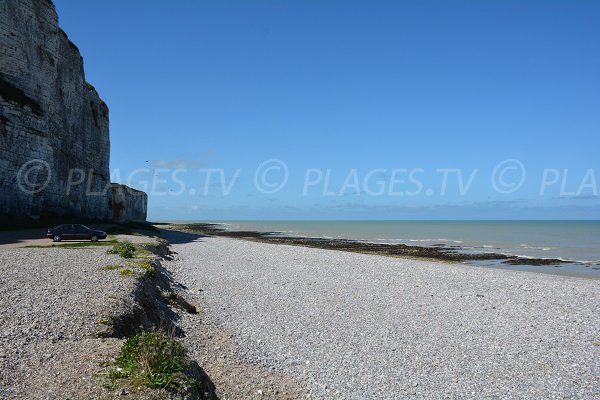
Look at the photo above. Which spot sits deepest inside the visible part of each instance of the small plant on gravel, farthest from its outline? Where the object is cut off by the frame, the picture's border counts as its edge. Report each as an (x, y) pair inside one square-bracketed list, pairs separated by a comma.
[(124, 249), (110, 267), (148, 267), (153, 359), (171, 296), (126, 272)]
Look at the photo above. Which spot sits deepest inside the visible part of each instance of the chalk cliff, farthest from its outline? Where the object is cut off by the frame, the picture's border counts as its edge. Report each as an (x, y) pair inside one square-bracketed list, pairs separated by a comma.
[(54, 134)]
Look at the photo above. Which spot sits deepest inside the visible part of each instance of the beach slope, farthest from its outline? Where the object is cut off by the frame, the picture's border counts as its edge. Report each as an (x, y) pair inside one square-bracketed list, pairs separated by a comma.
[(360, 326)]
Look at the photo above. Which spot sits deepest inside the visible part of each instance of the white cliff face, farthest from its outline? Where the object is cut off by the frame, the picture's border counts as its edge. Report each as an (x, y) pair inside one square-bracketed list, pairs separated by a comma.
[(128, 204), (52, 119)]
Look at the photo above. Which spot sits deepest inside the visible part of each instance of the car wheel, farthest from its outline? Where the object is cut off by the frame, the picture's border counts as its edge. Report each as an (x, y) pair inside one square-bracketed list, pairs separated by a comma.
[(94, 238), (56, 238)]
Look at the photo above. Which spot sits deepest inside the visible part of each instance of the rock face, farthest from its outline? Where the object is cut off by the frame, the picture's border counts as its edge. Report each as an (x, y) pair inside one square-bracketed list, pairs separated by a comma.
[(54, 138), (128, 204)]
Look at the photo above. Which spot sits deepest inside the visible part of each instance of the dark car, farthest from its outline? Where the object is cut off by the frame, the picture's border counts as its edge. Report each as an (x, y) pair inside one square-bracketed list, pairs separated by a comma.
[(74, 232)]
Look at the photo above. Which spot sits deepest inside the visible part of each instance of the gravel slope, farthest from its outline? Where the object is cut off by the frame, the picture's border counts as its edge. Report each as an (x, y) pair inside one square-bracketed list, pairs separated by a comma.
[(51, 300), (356, 326)]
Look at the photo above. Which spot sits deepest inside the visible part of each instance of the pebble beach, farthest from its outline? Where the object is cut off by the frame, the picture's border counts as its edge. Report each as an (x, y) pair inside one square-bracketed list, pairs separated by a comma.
[(277, 321), (356, 326)]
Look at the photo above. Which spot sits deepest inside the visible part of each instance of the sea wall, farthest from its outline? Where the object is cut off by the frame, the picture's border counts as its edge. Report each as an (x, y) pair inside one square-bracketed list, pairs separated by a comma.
[(54, 133)]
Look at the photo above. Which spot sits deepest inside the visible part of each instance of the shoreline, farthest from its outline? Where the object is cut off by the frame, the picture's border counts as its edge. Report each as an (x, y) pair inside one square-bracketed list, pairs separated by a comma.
[(453, 254)]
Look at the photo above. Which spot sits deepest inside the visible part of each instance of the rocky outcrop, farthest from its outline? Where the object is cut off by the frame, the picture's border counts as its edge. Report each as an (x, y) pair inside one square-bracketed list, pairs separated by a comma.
[(128, 204), (54, 137)]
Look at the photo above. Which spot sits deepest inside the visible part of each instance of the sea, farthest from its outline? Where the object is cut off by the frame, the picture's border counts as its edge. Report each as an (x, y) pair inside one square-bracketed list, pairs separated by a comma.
[(575, 241)]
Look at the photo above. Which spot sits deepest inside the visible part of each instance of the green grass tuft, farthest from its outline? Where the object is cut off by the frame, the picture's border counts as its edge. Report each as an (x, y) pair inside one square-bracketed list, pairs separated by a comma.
[(111, 267), (126, 272), (125, 249), (153, 359), (147, 266)]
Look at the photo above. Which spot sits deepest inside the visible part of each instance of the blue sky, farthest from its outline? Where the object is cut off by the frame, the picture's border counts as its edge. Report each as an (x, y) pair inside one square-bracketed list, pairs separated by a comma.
[(368, 106)]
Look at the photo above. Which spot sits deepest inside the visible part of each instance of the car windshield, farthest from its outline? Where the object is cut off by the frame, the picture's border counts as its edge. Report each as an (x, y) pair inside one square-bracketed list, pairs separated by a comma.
[(85, 227)]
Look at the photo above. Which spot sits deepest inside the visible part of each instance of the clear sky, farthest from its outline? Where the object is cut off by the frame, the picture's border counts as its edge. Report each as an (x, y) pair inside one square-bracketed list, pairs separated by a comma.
[(373, 109)]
